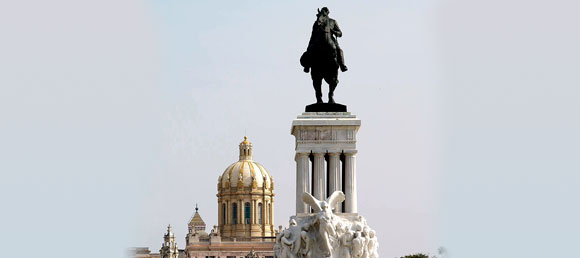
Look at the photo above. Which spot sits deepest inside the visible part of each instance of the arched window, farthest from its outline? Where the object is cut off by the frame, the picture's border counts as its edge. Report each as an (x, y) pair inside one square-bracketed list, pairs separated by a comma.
[(260, 211), (234, 213), (247, 213), (224, 214)]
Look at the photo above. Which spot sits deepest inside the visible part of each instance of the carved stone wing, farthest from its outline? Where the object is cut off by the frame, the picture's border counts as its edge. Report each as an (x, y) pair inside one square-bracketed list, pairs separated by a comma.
[(335, 198), (310, 200)]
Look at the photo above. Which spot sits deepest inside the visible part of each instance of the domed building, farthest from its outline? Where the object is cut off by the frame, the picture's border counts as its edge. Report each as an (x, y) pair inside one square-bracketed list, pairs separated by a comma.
[(245, 217), (245, 213), (245, 199)]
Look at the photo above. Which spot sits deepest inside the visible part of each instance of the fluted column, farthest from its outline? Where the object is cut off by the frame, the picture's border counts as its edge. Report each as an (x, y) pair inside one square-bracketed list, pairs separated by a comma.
[(319, 191), (350, 182), (302, 180), (334, 175)]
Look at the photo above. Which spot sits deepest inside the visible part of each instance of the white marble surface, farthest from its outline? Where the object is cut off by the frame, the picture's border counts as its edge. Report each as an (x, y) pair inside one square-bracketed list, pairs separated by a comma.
[(302, 179), (326, 133), (350, 183), (326, 234)]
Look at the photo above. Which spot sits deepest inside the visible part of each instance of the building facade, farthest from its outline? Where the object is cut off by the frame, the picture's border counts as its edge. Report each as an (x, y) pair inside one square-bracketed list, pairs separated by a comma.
[(245, 199), (245, 213), (168, 248), (245, 193)]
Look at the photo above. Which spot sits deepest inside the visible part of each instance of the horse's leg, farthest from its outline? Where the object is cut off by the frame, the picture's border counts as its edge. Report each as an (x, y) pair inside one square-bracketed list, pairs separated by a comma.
[(332, 81), (331, 87), (317, 83)]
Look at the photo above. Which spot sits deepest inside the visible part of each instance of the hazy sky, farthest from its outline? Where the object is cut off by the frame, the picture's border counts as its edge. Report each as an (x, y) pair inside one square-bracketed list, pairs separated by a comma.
[(119, 116)]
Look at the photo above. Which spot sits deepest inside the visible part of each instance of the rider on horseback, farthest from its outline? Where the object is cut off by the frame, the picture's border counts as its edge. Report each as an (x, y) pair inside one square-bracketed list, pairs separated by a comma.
[(323, 56), (331, 30)]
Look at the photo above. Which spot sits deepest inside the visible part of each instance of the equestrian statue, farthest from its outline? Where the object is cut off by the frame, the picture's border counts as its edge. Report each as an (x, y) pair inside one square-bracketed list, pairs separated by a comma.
[(323, 56)]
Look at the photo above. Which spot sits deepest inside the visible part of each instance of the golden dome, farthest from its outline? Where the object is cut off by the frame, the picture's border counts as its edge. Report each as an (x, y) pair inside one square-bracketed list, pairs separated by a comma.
[(246, 172)]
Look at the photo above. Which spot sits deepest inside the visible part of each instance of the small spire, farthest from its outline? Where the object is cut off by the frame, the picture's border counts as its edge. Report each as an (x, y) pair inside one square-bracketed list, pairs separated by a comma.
[(169, 228), (196, 208)]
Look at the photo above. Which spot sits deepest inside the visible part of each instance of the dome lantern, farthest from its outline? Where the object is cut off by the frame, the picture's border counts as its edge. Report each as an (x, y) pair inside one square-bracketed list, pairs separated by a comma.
[(246, 149)]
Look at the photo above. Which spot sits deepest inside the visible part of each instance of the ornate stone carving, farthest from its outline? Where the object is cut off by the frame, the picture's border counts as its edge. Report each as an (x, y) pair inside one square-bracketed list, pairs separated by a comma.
[(326, 234), (252, 254)]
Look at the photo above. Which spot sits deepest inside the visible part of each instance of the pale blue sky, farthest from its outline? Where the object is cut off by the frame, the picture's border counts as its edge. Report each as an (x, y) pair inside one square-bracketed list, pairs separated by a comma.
[(119, 116)]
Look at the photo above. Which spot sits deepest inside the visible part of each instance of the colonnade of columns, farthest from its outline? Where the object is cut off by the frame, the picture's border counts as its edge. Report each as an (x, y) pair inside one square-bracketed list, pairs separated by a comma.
[(322, 173), (260, 212)]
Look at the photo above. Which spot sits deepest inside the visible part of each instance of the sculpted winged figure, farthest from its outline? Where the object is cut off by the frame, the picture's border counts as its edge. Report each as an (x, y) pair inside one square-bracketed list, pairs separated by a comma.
[(324, 216)]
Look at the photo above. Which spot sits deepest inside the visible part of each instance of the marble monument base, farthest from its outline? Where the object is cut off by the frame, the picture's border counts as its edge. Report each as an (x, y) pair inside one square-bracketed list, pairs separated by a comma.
[(303, 238), (326, 156)]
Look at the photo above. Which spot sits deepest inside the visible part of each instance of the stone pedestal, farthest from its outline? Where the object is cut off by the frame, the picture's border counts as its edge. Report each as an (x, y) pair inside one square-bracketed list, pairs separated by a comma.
[(325, 157), (327, 223)]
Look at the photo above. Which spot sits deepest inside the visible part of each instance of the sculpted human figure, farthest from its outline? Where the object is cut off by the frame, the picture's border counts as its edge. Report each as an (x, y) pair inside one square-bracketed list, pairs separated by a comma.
[(287, 244), (306, 250), (365, 236), (324, 218), (372, 245), (357, 245), (362, 221), (326, 229), (323, 54), (345, 243), (296, 239), (277, 250), (278, 243), (306, 244), (339, 227), (358, 227)]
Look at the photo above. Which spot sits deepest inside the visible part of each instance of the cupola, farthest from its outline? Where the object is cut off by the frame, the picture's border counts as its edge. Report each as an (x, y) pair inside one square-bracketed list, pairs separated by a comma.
[(245, 199)]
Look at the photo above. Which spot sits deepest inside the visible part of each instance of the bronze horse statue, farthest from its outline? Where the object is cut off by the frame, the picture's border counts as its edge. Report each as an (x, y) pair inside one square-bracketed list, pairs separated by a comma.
[(323, 56)]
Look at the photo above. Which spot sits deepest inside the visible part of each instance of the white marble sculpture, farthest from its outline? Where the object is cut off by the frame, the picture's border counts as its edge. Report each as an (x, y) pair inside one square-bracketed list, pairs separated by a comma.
[(287, 244), (373, 245), (326, 234), (324, 217)]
